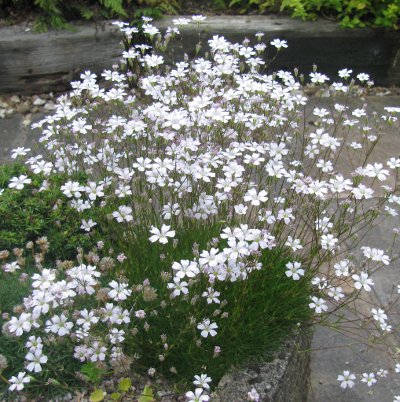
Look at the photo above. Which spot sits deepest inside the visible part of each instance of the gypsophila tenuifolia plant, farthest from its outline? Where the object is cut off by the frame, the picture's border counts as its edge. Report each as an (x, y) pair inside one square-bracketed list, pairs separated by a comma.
[(227, 220)]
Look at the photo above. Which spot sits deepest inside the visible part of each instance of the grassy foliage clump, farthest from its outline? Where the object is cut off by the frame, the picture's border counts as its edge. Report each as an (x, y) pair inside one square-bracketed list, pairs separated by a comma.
[(33, 212)]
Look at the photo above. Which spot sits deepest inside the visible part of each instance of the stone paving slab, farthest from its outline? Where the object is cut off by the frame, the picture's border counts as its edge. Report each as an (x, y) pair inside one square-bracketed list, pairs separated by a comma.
[(332, 352), (14, 133)]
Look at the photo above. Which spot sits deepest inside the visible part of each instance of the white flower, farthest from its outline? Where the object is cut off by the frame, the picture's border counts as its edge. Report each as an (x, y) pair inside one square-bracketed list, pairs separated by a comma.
[(345, 73), (279, 43), (369, 379), (19, 182), (379, 315), (72, 189), (212, 296), (255, 198), (197, 396), (11, 267), (36, 358), (97, 352), (59, 325), (178, 287), (198, 18), (362, 281), (294, 270), (318, 78), (363, 77), (346, 379), (87, 225), (293, 243), (201, 381), (207, 328), (22, 324), (185, 268), (124, 213), (116, 336), (88, 318), (20, 151), (17, 383), (376, 254), (328, 242), (161, 235), (253, 395), (119, 291), (336, 293), (318, 305), (240, 209)]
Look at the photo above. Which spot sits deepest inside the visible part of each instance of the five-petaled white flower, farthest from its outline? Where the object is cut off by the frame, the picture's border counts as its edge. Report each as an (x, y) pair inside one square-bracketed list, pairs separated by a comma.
[(35, 359), (161, 235), (17, 383), (294, 270), (346, 379), (119, 291), (362, 281), (197, 396), (318, 305), (19, 182), (207, 328)]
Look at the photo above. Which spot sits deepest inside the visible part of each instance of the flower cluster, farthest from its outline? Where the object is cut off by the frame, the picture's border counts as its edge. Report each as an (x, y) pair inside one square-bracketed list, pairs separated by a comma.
[(216, 150)]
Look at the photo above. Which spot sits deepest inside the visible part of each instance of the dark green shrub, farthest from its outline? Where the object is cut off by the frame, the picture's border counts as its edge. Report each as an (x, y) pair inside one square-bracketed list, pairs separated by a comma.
[(349, 13), (57, 13)]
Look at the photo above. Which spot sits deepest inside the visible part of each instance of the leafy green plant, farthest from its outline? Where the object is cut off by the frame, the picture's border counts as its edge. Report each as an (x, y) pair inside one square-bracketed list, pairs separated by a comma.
[(57, 13), (349, 13)]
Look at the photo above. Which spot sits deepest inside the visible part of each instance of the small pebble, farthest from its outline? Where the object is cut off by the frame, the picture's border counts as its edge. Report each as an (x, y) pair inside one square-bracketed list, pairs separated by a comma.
[(39, 102)]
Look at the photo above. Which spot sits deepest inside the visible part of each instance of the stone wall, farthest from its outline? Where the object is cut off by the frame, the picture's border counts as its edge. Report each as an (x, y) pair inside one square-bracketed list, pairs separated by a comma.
[(285, 378), (38, 63)]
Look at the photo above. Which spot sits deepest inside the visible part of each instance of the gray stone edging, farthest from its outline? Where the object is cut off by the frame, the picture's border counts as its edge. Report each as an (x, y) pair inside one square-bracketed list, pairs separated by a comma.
[(283, 379), (37, 63)]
